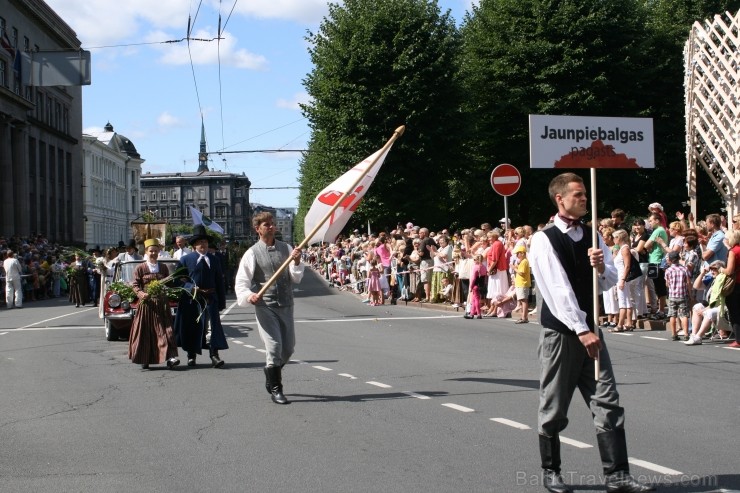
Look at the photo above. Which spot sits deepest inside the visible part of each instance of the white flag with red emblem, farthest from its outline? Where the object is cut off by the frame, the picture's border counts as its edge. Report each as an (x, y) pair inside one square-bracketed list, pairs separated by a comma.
[(332, 194)]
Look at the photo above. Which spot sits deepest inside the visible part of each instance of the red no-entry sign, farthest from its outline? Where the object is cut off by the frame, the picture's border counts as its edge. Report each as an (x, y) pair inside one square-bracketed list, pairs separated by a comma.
[(506, 180)]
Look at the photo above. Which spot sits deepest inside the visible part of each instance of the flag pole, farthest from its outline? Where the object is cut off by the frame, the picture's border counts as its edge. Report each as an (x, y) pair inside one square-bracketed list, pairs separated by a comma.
[(595, 244), (396, 134)]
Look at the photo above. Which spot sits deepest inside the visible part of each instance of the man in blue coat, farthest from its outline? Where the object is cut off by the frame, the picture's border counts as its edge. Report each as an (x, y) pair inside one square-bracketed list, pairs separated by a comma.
[(206, 282)]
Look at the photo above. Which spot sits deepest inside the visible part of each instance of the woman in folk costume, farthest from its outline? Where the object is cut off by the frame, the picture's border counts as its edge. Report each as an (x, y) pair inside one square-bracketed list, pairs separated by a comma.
[(152, 340), (78, 285), (198, 323)]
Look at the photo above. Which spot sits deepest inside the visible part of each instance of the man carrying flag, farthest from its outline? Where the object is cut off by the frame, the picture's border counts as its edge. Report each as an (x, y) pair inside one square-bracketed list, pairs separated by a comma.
[(261, 278), (274, 308)]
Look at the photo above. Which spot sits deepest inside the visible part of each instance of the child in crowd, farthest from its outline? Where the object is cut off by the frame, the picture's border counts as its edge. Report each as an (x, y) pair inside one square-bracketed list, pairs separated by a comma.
[(522, 282), (445, 294), (677, 281), (478, 281), (373, 284)]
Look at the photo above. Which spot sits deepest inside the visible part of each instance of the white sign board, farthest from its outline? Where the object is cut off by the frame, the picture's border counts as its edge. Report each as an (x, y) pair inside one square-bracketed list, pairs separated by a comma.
[(590, 142)]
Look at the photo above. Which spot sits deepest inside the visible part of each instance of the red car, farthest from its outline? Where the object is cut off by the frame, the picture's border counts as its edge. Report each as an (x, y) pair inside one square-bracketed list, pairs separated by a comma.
[(119, 302)]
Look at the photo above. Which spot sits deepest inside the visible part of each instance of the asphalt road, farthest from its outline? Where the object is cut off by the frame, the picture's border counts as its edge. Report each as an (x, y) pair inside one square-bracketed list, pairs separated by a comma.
[(390, 398)]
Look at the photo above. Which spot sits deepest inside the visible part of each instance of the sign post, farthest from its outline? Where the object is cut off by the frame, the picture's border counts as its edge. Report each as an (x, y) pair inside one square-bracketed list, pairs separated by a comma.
[(506, 180)]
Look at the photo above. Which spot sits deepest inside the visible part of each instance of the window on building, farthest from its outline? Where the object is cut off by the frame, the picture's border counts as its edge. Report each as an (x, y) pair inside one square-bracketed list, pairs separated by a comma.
[(154, 196), (163, 195), (202, 194), (238, 193), (237, 210), (3, 73), (173, 194)]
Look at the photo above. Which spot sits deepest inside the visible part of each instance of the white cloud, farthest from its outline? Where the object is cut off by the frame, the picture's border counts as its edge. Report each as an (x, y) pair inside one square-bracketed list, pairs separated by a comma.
[(303, 11), (207, 51), (292, 104), (108, 23), (166, 120)]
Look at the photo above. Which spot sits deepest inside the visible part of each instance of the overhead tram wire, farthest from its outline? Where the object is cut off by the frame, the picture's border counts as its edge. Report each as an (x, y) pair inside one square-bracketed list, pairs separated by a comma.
[(220, 84)]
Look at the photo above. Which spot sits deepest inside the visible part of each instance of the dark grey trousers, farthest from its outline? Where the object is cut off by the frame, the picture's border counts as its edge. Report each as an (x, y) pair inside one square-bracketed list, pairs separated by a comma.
[(565, 366)]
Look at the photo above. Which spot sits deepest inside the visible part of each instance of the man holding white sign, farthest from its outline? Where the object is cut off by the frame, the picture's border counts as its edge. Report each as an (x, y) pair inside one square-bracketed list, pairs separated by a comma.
[(562, 261)]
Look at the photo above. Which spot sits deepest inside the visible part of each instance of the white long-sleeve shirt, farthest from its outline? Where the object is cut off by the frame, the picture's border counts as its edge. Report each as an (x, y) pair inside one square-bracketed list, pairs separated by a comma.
[(245, 273), (552, 281)]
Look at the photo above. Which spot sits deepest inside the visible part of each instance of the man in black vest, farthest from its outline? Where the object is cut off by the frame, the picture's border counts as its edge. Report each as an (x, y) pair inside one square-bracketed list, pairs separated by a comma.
[(274, 309), (563, 261)]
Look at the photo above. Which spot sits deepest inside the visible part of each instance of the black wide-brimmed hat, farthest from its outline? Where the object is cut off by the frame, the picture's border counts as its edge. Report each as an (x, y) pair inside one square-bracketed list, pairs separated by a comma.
[(132, 244), (200, 233)]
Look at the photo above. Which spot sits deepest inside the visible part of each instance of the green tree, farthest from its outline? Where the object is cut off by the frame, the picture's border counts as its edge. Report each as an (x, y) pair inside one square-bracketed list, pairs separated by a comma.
[(379, 64), (572, 57)]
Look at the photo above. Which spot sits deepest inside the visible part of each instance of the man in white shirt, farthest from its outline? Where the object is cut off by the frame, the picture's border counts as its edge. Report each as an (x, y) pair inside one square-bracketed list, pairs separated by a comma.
[(13, 285), (563, 262), (274, 308), (131, 253), (182, 249)]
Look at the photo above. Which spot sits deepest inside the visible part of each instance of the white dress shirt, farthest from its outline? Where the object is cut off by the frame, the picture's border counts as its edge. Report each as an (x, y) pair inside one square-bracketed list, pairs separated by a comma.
[(552, 281)]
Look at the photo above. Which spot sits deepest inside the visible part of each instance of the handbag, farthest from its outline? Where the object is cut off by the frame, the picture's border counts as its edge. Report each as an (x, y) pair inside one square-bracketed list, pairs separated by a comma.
[(728, 286), (634, 271), (652, 271)]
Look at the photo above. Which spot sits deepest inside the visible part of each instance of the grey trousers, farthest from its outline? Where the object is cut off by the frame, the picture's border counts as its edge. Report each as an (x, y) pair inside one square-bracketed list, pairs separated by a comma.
[(277, 330), (565, 365)]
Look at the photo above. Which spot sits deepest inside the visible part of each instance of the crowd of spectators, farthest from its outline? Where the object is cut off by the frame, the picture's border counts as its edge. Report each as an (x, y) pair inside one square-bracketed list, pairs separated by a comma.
[(485, 270)]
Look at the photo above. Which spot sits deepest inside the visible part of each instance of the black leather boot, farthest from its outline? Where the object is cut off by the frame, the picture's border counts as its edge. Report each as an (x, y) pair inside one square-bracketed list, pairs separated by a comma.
[(613, 450), (215, 360), (275, 377), (191, 359), (268, 382), (550, 456)]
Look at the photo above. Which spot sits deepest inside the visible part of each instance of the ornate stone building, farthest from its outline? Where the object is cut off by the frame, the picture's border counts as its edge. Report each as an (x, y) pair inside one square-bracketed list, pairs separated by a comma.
[(40, 131), (222, 196), (112, 172)]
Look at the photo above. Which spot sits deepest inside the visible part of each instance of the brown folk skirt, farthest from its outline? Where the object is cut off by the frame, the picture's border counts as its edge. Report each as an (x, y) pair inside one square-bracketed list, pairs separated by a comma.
[(152, 339)]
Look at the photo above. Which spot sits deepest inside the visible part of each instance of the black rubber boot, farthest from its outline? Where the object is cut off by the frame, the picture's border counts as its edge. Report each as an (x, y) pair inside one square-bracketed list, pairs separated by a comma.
[(550, 456), (275, 377), (613, 450)]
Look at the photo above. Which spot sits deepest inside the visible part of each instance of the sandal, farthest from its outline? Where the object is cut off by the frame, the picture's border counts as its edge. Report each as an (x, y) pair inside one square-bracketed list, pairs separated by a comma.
[(629, 328), (617, 328), (521, 321)]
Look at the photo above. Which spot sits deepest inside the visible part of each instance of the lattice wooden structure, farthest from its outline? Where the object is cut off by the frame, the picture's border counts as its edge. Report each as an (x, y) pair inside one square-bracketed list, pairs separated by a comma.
[(713, 106)]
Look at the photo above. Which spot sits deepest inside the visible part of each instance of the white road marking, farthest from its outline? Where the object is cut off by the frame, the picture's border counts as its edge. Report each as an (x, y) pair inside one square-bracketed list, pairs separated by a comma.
[(654, 338), (226, 312), (297, 361), (3, 333), (260, 350), (372, 319), (60, 316), (733, 348), (237, 342), (351, 377), (459, 408), (653, 467), (378, 384), (323, 368), (513, 424), (622, 334), (575, 443), (249, 346), (73, 327), (417, 396)]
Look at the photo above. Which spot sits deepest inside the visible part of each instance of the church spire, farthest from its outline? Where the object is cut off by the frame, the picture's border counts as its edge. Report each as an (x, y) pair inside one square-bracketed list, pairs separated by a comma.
[(203, 154)]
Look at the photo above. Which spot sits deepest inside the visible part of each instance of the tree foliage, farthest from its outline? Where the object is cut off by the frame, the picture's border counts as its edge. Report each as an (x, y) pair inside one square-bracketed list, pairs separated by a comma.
[(379, 64), (465, 95)]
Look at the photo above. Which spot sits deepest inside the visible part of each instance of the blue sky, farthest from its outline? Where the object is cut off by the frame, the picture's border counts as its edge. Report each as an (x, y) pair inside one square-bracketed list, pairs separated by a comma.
[(151, 94)]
